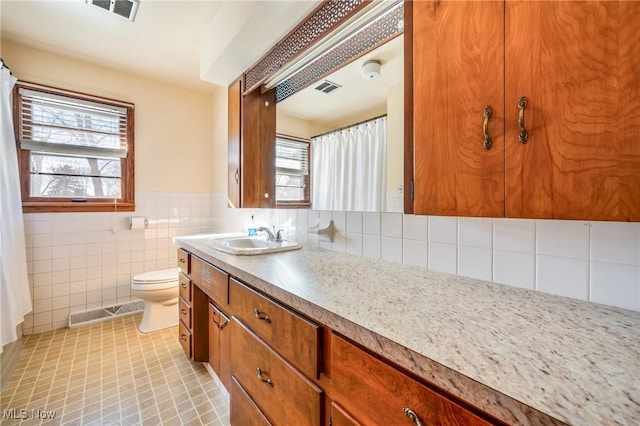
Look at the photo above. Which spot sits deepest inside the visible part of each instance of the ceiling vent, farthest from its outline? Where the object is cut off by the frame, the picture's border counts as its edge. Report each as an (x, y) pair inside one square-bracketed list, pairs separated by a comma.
[(327, 86), (125, 8)]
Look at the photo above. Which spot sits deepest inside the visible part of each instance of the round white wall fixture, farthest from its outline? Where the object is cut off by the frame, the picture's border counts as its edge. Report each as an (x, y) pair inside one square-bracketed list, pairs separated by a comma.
[(371, 69)]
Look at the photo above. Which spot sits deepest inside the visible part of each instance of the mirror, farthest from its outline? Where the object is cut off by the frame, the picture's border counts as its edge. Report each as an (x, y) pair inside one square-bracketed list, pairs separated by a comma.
[(311, 112)]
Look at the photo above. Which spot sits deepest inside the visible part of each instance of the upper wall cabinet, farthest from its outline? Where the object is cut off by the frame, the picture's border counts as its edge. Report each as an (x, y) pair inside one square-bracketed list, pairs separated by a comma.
[(526, 109), (252, 138)]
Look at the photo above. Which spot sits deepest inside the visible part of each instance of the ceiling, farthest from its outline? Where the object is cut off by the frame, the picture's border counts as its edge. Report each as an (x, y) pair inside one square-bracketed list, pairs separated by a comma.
[(187, 43)]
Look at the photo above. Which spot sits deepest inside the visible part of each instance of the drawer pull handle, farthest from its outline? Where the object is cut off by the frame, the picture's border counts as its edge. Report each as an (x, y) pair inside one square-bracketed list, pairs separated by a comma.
[(523, 136), (183, 285), (183, 337), (412, 416), (261, 376), (183, 311), (183, 260), (485, 128), (219, 324), (261, 316)]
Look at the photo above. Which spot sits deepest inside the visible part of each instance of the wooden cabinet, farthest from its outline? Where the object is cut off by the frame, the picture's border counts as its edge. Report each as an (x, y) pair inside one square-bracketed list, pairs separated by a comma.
[(220, 344), (192, 311), (252, 142), (213, 281), (378, 394), (279, 390), (578, 66), (243, 410), (293, 336)]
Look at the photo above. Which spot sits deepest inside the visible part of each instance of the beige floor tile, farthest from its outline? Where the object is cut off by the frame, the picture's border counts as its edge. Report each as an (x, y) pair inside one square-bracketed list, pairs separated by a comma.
[(109, 373)]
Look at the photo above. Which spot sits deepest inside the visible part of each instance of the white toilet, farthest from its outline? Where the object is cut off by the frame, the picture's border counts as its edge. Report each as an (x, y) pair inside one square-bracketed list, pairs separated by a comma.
[(159, 290)]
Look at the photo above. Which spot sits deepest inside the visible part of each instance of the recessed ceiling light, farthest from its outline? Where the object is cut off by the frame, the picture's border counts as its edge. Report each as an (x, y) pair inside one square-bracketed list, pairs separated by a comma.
[(125, 8)]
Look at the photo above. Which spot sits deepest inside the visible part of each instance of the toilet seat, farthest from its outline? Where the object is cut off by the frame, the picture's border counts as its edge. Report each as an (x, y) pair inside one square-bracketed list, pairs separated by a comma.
[(156, 280)]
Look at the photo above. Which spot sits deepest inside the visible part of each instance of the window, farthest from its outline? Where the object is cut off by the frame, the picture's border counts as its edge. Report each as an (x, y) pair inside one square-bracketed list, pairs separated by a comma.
[(292, 172), (76, 151)]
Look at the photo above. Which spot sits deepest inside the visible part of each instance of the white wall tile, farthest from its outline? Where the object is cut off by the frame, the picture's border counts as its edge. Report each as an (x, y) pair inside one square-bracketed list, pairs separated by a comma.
[(616, 242), (392, 225), (354, 222), (442, 257), (415, 227), (475, 232), (371, 246), (565, 238), (392, 249), (514, 268), (615, 284), (371, 223), (354, 243), (443, 229), (415, 252), (563, 276), (514, 235), (475, 262)]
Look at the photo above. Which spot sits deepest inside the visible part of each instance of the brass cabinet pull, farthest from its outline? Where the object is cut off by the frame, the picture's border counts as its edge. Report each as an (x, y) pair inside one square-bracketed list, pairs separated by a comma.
[(412, 416), (523, 136), (485, 128), (182, 260), (183, 337), (183, 311), (237, 176), (183, 285), (261, 376), (261, 316), (223, 324), (213, 318)]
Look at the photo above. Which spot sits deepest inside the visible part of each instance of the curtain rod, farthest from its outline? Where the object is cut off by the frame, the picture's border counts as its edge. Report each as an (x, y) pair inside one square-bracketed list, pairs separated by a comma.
[(349, 126)]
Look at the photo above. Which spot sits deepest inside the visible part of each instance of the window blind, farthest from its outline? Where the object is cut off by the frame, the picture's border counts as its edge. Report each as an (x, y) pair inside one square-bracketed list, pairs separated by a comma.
[(58, 124), (292, 157)]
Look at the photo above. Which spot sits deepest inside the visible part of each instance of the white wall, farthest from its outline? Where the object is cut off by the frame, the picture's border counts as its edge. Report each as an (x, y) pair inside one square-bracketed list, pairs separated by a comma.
[(595, 261)]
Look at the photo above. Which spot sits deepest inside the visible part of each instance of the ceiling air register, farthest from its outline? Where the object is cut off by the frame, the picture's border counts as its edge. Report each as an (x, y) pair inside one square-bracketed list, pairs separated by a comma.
[(125, 8)]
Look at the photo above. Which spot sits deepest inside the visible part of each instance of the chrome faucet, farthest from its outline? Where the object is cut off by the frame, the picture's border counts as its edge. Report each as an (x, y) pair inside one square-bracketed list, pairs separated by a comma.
[(277, 237)]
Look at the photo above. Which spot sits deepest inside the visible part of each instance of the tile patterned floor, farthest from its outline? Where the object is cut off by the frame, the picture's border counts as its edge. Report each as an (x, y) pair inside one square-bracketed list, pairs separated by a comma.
[(109, 373)]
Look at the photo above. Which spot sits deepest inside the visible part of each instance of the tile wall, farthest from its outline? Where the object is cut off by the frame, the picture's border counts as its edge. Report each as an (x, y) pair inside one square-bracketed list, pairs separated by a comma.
[(77, 262), (596, 261), (80, 261)]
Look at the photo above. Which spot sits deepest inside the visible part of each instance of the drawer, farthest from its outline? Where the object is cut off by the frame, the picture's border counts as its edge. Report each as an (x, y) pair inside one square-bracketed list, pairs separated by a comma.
[(184, 310), (282, 393), (363, 381), (184, 262), (185, 287), (291, 335), (339, 417), (243, 410), (213, 281), (184, 337)]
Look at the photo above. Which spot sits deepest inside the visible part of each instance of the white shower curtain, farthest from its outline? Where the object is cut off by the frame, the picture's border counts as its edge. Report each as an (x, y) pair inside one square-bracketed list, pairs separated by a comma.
[(15, 297), (349, 168)]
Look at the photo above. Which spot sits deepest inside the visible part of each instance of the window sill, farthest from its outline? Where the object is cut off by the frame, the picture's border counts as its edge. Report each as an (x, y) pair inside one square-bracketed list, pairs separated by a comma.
[(71, 207), (292, 205)]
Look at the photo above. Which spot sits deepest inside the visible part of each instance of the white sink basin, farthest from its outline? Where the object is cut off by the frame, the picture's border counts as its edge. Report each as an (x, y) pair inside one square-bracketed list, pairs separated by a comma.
[(246, 246)]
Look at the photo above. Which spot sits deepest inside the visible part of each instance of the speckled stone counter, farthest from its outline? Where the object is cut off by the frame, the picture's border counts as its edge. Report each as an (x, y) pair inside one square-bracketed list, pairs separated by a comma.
[(525, 357)]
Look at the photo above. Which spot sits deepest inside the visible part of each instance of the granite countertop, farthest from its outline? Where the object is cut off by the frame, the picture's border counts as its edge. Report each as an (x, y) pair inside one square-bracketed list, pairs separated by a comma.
[(525, 357)]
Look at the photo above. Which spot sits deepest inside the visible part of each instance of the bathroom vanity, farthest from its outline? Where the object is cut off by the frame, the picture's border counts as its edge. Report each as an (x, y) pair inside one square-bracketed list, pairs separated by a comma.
[(331, 338)]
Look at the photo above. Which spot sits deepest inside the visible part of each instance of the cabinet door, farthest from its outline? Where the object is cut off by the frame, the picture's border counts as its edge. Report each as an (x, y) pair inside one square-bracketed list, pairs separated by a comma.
[(578, 63), (251, 147), (458, 70), (220, 348)]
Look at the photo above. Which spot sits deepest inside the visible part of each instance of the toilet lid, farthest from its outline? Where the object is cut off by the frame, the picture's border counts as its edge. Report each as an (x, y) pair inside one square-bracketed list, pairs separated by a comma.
[(157, 277)]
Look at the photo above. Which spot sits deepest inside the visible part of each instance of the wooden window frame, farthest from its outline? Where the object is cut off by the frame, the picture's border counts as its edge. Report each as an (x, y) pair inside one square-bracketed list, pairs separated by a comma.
[(125, 203), (306, 203)]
